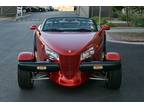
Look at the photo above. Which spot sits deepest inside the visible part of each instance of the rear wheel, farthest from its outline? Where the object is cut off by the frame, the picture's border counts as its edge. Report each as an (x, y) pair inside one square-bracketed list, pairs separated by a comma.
[(24, 79), (104, 48), (34, 48), (104, 45), (114, 79)]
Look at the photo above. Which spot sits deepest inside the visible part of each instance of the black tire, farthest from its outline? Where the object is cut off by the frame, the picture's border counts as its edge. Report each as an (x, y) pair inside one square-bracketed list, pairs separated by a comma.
[(34, 44), (24, 79), (34, 47), (114, 79), (104, 45), (104, 48)]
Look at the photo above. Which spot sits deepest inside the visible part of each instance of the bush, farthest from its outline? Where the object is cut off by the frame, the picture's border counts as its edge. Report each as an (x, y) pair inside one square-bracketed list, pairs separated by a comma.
[(123, 17), (110, 24), (115, 15), (96, 20), (138, 21), (104, 21)]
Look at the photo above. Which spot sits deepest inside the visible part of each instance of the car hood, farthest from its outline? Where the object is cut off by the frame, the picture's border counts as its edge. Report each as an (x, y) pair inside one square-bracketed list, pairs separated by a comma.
[(67, 42)]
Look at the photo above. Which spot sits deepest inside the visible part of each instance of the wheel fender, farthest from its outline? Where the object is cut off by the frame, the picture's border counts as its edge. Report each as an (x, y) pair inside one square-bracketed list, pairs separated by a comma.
[(112, 56), (26, 56)]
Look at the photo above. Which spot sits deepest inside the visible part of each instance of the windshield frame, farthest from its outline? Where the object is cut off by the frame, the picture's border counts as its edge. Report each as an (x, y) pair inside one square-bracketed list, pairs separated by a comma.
[(74, 30)]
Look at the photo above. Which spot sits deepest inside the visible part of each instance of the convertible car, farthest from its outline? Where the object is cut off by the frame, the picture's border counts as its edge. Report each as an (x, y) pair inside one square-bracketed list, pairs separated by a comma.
[(69, 51)]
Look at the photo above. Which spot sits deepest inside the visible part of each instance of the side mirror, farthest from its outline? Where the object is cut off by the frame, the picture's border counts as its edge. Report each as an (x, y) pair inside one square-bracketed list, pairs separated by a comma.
[(34, 27), (105, 27)]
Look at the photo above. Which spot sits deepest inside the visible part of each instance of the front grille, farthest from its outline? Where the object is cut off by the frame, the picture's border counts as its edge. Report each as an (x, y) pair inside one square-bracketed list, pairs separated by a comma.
[(69, 65)]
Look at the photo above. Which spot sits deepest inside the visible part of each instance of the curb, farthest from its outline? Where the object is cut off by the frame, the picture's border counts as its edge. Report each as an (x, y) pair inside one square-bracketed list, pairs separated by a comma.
[(21, 17), (126, 35), (7, 19), (124, 42), (109, 39)]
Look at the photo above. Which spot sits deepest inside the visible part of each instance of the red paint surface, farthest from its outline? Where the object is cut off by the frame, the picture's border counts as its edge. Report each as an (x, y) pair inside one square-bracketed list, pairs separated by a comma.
[(34, 27), (113, 56), (61, 42), (69, 46), (26, 56)]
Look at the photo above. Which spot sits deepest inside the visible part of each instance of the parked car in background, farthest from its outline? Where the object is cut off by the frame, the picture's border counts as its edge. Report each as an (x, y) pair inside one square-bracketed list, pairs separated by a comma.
[(37, 9), (26, 9), (51, 8), (41, 9), (48, 8), (34, 9)]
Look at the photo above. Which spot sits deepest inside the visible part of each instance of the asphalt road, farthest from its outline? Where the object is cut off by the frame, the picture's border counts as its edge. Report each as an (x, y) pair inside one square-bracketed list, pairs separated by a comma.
[(15, 37)]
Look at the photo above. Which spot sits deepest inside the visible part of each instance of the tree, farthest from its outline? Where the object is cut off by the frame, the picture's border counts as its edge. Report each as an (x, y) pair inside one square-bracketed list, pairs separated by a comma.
[(139, 10)]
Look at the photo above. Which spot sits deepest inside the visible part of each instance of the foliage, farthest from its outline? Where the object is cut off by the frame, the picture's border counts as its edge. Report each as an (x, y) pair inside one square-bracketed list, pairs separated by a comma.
[(96, 19), (133, 14), (139, 10), (138, 21), (123, 17), (110, 24), (117, 8), (104, 21), (116, 11)]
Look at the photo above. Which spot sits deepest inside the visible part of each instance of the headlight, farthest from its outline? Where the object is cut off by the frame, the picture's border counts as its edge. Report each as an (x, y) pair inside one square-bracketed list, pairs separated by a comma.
[(51, 54), (88, 53)]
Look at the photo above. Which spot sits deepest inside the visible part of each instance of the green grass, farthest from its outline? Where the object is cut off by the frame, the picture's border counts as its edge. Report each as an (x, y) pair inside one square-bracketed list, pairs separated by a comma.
[(103, 21), (96, 20)]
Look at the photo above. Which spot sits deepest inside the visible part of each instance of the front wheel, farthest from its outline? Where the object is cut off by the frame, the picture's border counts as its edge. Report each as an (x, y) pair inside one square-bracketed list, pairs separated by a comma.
[(24, 79), (114, 79)]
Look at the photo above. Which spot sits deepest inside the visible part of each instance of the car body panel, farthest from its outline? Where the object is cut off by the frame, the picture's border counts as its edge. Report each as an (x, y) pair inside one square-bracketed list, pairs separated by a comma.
[(69, 46), (64, 41)]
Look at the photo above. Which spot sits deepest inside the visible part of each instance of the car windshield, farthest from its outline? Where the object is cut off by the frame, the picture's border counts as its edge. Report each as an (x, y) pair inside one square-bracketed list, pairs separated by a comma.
[(62, 24)]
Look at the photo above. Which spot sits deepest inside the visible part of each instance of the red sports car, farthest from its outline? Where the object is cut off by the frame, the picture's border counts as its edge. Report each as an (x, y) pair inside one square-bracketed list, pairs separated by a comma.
[(69, 51)]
